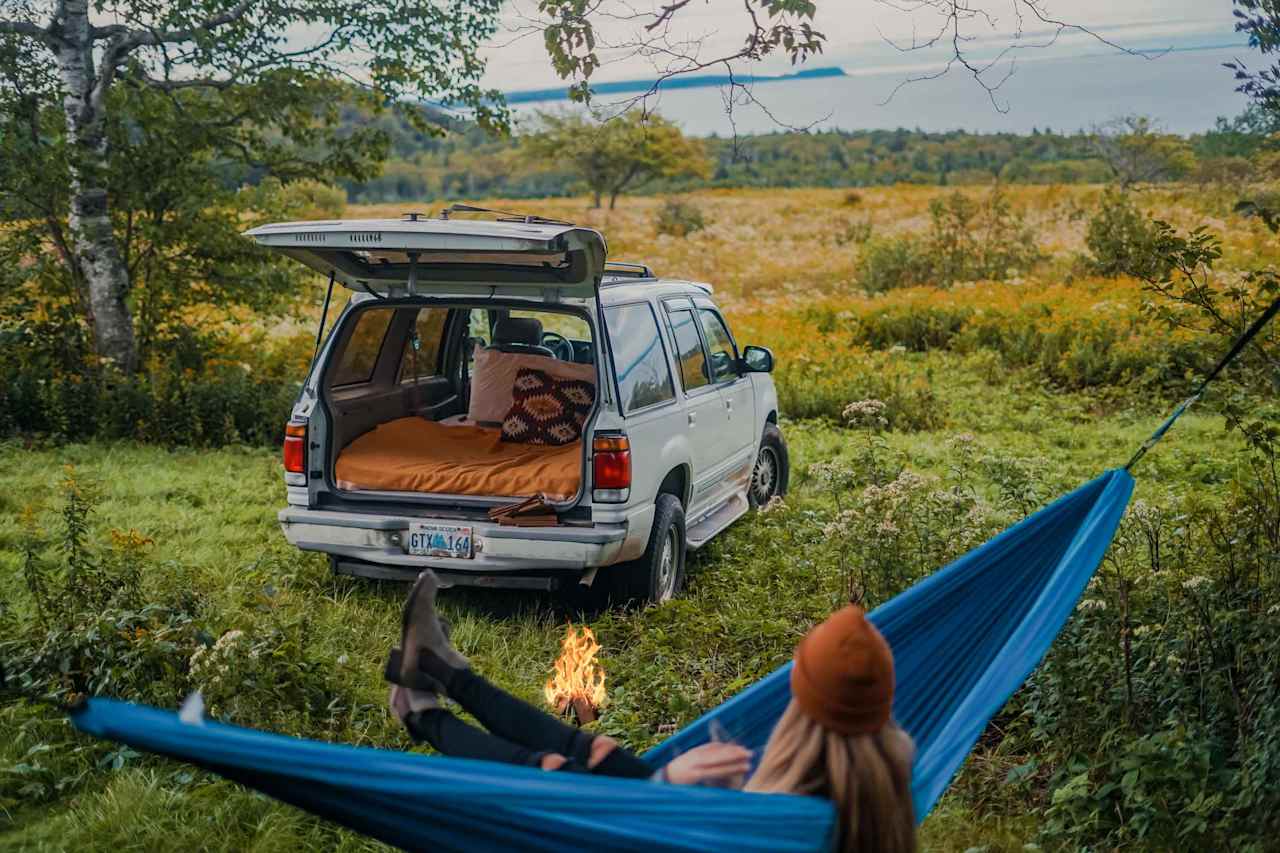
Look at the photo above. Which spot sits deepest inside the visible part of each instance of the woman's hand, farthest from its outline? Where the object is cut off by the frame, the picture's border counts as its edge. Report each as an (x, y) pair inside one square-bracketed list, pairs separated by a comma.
[(722, 764)]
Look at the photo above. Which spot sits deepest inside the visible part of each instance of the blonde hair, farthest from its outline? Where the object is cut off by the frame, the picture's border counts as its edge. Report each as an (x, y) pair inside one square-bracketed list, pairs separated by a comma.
[(866, 777)]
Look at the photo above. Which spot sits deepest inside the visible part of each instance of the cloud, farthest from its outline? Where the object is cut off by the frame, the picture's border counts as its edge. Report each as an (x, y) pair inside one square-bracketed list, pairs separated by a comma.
[(857, 31)]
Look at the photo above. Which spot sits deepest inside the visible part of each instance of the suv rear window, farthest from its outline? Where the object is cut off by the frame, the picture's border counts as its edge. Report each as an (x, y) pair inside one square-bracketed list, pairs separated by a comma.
[(644, 377), (360, 355), (430, 326)]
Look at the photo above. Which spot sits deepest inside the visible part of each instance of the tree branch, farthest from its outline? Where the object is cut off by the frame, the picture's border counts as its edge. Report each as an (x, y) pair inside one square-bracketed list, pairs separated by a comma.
[(44, 35), (135, 38), (165, 85), (956, 14), (666, 13)]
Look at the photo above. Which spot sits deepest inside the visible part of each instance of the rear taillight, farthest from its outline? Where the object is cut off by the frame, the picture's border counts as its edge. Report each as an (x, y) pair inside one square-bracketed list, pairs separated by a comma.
[(295, 448), (611, 468)]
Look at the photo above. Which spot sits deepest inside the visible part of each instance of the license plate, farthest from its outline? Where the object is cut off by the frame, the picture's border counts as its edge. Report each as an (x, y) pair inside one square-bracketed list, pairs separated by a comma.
[(439, 540)]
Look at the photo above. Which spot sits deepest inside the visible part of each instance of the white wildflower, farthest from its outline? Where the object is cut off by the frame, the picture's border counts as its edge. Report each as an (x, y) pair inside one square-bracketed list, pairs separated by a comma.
[(865, 413), (830, 472), (1195, 582), (227, 639), (887, 527), (841, 525), (1091, 604)]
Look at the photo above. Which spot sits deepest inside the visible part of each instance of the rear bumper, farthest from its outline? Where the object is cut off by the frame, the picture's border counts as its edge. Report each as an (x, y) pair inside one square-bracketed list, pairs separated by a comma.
[(379, 539)]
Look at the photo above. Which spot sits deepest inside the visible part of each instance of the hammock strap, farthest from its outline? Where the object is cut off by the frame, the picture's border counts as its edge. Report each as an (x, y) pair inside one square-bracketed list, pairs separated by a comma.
[(1243, 341)]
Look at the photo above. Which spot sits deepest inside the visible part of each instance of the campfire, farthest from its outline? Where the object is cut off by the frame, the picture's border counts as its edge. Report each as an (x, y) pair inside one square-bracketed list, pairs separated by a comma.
[(578, 683)]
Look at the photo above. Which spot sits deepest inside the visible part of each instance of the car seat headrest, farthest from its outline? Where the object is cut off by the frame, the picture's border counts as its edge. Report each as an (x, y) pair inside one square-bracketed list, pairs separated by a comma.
[(518, 330)]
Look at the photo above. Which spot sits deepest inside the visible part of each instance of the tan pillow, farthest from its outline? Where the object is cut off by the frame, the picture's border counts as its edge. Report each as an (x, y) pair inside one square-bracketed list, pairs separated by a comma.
[(493, 375)]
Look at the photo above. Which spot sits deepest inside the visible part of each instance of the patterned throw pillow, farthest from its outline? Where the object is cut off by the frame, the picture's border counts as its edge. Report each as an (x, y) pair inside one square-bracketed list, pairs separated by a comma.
[(546, 410)]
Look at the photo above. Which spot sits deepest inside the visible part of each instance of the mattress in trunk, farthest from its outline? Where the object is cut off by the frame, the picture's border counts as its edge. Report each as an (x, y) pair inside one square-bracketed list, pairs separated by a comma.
[(416, 455)]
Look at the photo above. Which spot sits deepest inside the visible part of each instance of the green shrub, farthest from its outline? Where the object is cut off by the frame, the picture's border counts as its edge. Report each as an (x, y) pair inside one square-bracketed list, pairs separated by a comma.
[(306, 198), (105, 621), (1123, 241), (854, 231), (979, 240), (809, 389), (199, 393), (1068, 349), (916, 327), (90, 626), (679, 218), (968, 241), (1153, 719), (892, 262), (224, 406)]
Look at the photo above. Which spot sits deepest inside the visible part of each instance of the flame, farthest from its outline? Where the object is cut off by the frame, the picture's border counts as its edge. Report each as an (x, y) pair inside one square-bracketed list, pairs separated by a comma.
[(577, 675)]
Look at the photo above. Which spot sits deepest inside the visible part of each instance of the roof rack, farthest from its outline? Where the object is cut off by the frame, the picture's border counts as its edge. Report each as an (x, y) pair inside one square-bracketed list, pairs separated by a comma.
[(622, 269), (500, 215)]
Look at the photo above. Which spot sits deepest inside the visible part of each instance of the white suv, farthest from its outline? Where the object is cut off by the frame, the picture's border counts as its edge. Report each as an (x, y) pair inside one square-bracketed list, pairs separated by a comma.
[(500, 404)]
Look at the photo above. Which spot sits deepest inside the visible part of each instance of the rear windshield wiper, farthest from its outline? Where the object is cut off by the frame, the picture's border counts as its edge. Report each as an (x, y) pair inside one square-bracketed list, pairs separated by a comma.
[(502, 215)]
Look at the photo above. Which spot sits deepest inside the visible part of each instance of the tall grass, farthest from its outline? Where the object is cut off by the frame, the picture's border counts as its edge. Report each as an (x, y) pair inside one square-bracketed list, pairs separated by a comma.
[(1015, 390)]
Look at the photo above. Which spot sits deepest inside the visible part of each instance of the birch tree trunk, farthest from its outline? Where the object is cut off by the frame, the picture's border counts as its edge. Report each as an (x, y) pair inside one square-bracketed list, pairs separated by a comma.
[(94, 242)]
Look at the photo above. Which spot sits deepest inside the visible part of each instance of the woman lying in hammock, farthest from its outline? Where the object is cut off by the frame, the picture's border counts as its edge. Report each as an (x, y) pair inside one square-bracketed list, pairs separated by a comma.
[(835, 739)]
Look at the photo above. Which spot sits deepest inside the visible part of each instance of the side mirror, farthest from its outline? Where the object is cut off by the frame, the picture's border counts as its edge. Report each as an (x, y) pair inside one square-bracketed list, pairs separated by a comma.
[(757, 360)]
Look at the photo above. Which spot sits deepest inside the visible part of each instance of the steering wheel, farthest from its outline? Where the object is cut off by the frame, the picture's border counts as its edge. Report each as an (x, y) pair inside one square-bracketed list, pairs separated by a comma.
[(558, 344)]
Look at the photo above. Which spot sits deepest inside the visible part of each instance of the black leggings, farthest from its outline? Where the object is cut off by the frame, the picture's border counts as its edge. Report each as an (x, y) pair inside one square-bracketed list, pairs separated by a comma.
[(518, 732)]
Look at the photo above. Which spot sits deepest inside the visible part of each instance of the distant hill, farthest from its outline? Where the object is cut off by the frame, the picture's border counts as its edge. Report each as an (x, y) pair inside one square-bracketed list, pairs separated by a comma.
[(690, 81), (468, 163)]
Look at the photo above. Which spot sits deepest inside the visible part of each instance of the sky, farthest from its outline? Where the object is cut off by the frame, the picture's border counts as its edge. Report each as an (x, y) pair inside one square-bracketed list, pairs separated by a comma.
[(1074, 83)]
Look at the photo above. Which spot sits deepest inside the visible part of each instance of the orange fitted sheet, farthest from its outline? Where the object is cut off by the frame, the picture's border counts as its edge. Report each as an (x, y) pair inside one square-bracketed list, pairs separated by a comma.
[(416, 455)]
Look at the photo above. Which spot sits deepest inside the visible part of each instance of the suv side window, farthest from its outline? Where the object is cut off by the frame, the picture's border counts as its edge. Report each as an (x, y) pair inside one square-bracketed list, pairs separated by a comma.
[(479, 329), (644, 376), (360, 354), (724, 355), (430, 327), (689, 352)]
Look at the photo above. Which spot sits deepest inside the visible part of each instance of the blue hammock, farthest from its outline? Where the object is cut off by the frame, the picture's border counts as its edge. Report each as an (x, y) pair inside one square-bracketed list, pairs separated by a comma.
[(963, 640)]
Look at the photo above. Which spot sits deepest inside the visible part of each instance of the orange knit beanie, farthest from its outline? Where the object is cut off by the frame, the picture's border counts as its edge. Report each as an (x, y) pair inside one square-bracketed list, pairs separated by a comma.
[(843, 674)]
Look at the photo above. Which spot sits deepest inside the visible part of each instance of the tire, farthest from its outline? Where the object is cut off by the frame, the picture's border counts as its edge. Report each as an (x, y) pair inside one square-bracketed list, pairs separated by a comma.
[(658, 574), (772, 472)]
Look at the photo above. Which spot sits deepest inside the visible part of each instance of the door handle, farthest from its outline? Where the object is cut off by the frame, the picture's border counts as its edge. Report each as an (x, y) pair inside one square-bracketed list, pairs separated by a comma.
[(693, 419), (728, 404)]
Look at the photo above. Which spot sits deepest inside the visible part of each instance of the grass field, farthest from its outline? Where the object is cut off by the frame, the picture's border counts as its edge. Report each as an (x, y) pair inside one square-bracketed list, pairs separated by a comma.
[(209, 514)]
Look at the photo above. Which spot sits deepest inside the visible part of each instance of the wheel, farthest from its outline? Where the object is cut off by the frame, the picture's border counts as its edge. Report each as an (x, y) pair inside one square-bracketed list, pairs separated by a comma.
[(772, 472), (658, 574)]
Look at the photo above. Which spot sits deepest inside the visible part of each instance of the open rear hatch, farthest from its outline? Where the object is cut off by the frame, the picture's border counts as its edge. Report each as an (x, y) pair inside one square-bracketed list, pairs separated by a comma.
[(442, 259), (445, 256)]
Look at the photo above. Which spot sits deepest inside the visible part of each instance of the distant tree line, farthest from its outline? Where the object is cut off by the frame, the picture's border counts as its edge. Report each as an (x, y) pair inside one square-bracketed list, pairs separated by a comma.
[(469, 163)]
